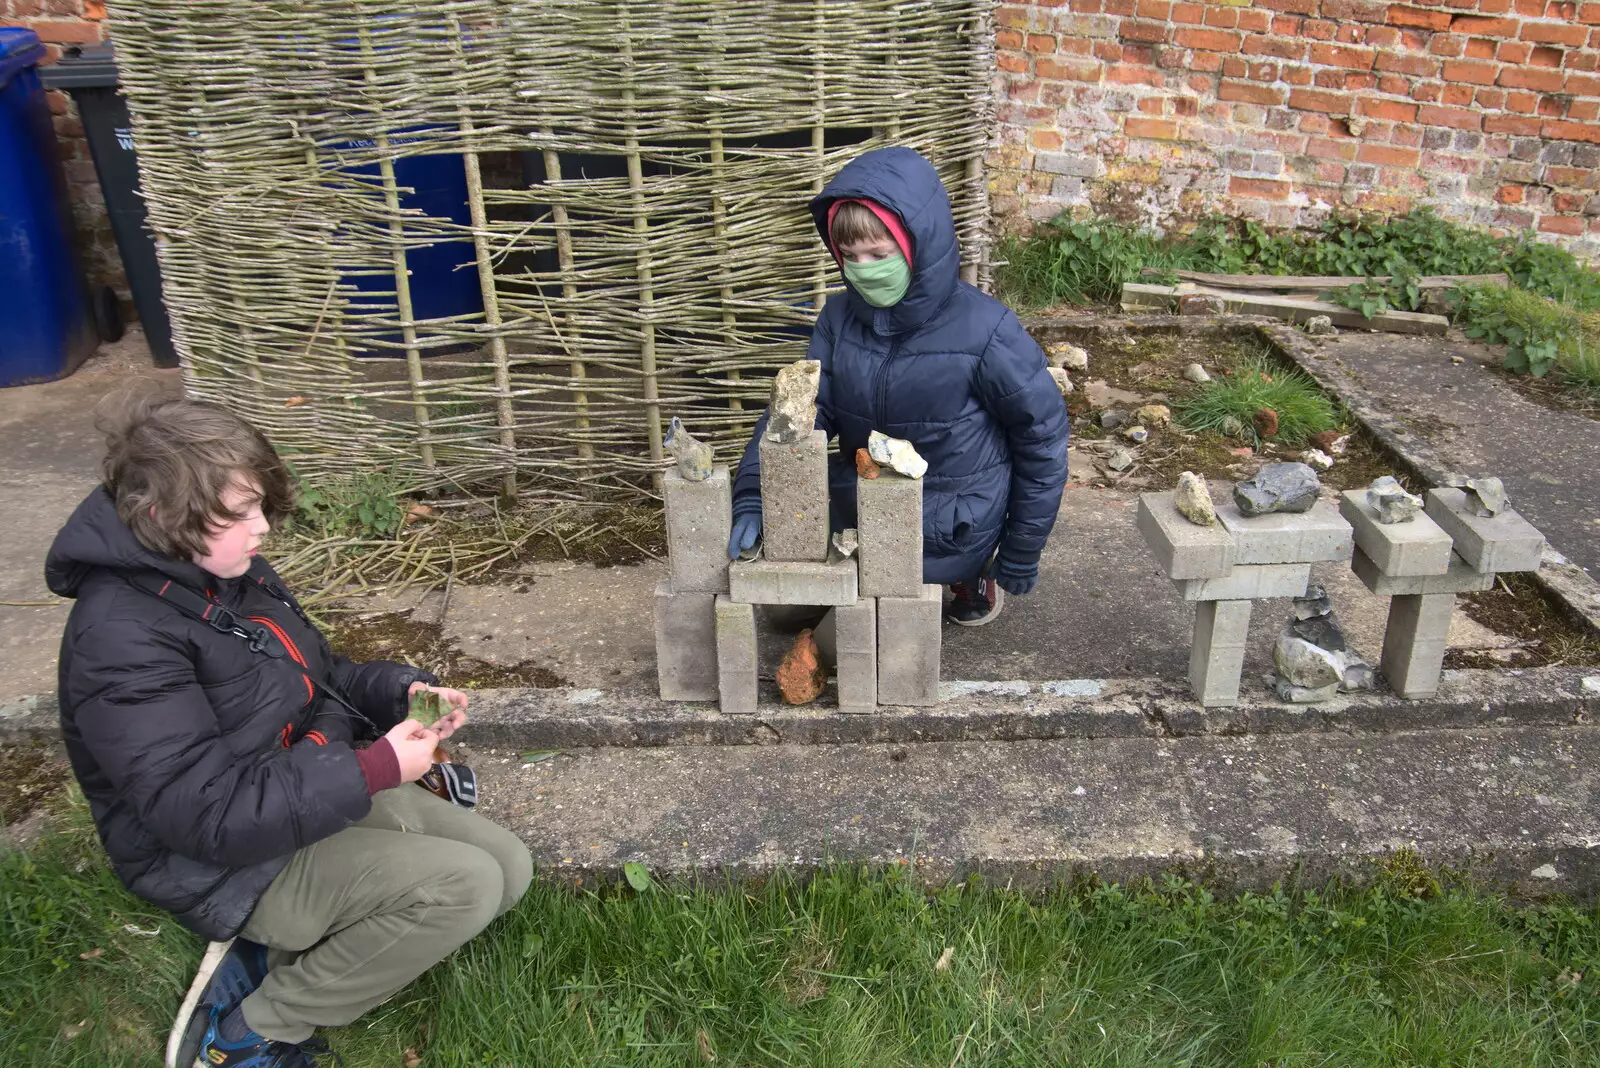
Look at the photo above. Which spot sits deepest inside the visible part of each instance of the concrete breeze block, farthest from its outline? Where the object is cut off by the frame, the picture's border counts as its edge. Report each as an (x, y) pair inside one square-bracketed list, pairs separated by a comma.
[(847, 637), (1216, 656), (1462, 577), (1414, 642), (736, 655), (1287, 537), (1505, 542), (909, 632), (1249, 582), (889, 524), (686, 644), (1416, 547), (793, 582), (699, 517), (1183, 549), (794, 498)]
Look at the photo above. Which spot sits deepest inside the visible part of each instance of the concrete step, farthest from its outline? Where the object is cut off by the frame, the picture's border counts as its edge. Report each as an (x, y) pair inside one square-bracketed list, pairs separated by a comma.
[(1516, 805)]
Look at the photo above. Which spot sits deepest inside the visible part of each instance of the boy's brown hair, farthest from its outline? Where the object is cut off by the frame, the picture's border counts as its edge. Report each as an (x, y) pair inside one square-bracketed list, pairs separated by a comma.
[(169, 462), (855, 222)]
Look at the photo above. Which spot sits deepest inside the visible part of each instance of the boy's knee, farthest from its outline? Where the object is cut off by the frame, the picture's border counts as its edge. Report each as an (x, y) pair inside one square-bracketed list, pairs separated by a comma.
[(516, 869), (473, 884)]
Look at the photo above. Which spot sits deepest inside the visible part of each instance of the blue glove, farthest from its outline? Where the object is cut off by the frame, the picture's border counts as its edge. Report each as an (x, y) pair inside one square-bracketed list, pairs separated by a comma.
[(1016, 577), (746, 526)]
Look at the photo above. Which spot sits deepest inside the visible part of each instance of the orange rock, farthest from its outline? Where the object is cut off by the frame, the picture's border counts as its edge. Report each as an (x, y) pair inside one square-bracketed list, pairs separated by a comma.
[(801, 676), (1266, 421), (866, 466), (1325, 440)]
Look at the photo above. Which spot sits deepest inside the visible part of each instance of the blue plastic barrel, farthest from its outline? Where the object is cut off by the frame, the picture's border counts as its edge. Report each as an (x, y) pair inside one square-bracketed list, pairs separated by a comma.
[(46, 329), (444, 275)]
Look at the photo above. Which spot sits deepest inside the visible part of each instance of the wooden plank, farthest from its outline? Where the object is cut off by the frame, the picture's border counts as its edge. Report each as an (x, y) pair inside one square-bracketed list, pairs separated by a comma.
[(1137, 296), (1321, 284)]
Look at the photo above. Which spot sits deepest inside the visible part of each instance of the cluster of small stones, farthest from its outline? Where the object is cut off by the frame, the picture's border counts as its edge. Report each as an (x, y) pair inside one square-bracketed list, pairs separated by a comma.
[(882, 628), (1261, 544)]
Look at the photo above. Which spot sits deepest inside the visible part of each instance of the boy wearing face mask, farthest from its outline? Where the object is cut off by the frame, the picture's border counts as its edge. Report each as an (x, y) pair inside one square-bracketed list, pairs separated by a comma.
[(912, 351)]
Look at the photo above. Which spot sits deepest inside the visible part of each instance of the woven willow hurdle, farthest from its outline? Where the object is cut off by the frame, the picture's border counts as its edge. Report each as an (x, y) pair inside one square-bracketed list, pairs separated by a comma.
[(671, 280)]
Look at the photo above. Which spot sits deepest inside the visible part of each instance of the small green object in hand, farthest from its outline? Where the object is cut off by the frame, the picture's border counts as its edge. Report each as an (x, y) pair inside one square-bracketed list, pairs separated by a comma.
[(426, 707)]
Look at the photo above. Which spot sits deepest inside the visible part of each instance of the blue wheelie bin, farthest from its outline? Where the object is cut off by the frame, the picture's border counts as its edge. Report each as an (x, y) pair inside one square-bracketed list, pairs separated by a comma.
[(46, 326)]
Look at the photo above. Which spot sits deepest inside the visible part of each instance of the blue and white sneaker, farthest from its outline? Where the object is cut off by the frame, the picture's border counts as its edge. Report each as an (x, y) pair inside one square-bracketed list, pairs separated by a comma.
[(251, 1050), (228, 973)]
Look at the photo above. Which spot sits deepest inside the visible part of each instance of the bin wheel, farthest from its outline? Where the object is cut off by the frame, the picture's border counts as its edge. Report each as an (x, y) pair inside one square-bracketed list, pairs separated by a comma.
[(108, 314)]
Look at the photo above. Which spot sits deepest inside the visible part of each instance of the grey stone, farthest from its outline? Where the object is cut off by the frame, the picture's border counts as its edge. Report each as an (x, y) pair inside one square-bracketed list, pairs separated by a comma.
[(1304, 664), (1320, 326), (1249, 582), (1111, 419), (793, 582), (1195, 373), (1216, 654), (1183, 549), (1499, 543), (1291, 487), (1317, 534), (897, 453), (794, 498), (1301, 695), (909, 632), (686, 645), (736, 656), (1489, 494), (693, 455), (699, 517), (1232, 427), (1414, 547), (1314, 603), (1390, 501), (1120, 459), (1461, 577), (846, 543), (889, 517), (1414, 642), (1136, 434), (1192, 498), (793, 412)]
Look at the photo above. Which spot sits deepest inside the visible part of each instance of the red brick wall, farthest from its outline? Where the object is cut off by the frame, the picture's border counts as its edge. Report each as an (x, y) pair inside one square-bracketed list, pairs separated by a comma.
[(62, 24), (1284, 110)]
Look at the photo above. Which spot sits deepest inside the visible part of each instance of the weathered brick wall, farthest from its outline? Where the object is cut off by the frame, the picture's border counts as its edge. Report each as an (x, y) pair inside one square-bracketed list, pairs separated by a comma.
[(62, 24), (1285, 110)]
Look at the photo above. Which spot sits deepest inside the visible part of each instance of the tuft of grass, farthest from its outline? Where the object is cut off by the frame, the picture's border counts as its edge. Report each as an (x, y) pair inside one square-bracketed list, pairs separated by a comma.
[(1086, 261), (1580, 365), (844, 969), (1227, 404)]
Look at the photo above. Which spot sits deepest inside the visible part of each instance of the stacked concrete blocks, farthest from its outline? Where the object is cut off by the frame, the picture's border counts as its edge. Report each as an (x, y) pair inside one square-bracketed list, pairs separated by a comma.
[(1223, 568), (736, 655), (889, 527), (848, 639), (699, 515), (909, 633), (794, 498), (686, 644), (1422, 563), (798, 582)]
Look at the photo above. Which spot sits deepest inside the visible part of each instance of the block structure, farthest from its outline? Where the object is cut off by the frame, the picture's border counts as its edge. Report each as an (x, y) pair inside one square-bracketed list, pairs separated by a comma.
[(1184, 550), (848, 639), (699, 518), (794, 498), (686, 644), (908, 647), (889, 525), (1249, 582), (1417, 546), (832, 582), (1287, 537), (1460, 577), (1414, 642), (1216, 657), (736, 655), (1498, 543)]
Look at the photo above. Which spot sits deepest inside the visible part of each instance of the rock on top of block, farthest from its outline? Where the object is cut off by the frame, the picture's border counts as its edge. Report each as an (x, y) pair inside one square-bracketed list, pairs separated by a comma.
[(1184, 550), (1417, 546), (1317, 534), (1497, 543)]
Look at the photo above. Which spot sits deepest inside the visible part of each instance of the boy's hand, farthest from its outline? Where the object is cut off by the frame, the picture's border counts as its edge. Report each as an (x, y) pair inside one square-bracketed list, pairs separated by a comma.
[(746, 529), (413, 746), (1017, 579), (447, 724)]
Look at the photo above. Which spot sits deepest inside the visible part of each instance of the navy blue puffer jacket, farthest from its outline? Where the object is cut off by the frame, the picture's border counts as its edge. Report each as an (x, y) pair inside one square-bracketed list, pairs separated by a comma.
[(949, 369)]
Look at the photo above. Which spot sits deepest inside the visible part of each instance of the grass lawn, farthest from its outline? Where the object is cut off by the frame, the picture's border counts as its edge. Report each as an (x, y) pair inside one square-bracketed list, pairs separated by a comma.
[(861, 969)]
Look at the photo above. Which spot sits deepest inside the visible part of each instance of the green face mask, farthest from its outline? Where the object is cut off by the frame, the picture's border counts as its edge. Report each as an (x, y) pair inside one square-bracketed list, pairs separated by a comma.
[(881, 283)]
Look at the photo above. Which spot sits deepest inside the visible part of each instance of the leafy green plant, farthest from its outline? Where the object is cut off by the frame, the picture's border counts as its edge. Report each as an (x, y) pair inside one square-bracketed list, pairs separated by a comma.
[(1227, 404), (1402, 290), (1085, 262), (1533, 328), (364, 506)]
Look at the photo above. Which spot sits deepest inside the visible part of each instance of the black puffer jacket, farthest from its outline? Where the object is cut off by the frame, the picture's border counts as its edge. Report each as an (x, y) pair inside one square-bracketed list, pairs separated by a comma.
[(206, 765)]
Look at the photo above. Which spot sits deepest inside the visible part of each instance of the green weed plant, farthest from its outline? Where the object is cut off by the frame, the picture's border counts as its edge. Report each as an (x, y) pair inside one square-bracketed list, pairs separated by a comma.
[(1227, 404), (365, 506)]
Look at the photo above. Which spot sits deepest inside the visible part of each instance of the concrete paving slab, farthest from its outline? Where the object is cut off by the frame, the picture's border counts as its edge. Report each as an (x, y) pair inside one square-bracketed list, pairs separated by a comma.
[(1516, 805), (50, 457)]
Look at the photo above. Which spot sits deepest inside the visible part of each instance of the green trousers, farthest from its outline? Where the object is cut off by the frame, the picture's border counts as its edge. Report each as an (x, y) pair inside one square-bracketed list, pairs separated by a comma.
[(358, 915)]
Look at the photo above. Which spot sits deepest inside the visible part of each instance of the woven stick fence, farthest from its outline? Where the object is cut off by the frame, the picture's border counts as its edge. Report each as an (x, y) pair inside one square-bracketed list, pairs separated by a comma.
[(618, 231)]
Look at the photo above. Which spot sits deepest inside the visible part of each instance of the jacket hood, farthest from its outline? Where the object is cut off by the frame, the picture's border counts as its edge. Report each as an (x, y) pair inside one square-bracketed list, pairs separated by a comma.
[(905, 183), (96, 538)]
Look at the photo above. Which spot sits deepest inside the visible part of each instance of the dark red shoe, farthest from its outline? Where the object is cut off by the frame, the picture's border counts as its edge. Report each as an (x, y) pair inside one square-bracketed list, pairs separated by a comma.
[(977, 601)]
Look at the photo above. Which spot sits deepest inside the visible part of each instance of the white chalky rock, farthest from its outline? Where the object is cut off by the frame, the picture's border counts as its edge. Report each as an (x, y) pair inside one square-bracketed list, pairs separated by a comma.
[(1192, 498), (1197, 374), (1317, 458), (1069, 356), (1063, 383), (897, 453)]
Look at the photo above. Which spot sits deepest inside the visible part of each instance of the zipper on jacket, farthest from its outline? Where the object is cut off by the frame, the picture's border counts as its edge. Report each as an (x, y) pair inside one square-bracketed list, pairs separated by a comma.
[(294, 652), (880, 416)]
